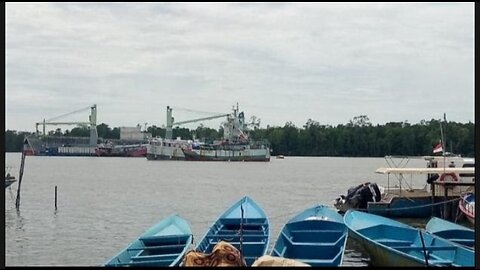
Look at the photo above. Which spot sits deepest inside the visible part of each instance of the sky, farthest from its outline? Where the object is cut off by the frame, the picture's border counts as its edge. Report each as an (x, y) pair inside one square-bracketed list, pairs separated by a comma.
[(281, 62)]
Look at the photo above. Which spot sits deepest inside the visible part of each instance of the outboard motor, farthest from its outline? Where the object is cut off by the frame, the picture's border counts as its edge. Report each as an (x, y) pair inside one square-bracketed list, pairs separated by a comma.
[(358, 197)]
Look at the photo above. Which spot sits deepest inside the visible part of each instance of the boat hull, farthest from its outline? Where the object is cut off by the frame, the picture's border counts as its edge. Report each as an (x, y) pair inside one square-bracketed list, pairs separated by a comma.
[(317, 237), (164, 244), (467, 206), (407, 207), (383, 257), (451, 231), (9, 182), (166, 150), (163, 157), (245, 226), (227, 155), (416, 203), (392, 243), (137, 151)]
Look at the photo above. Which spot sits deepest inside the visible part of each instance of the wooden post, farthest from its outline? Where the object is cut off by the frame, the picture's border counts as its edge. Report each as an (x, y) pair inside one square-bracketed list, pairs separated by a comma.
[(22, 165), (445, 204), (453, 206), (55, 197), (432, 187)]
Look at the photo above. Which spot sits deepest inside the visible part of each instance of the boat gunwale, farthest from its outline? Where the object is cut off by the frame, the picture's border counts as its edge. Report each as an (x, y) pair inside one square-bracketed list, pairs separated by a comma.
[(234, 206), (173, 218)]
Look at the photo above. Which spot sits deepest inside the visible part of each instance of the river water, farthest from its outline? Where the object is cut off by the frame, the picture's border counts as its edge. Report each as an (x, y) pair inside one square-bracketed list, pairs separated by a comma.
[(105, 203)]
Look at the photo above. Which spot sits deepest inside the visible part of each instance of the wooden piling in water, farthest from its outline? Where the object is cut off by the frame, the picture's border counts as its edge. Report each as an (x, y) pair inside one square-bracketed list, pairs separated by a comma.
[(446, 206), (20, 177), (55, 197)]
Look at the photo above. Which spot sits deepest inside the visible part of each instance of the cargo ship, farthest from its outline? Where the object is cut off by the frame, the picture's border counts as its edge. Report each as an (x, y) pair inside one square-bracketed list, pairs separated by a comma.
[(58, 146), (235, 145), (132, 142)]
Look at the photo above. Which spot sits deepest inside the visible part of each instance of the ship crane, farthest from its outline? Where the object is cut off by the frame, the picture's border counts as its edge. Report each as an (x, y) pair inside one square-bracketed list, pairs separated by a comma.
[(92, 123), (171, 122)]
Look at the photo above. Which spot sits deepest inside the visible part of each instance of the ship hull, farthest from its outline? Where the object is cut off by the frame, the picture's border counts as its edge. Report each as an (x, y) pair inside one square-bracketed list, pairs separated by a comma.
[(227, 155), (138, 151), (164, 157), (166, 150)]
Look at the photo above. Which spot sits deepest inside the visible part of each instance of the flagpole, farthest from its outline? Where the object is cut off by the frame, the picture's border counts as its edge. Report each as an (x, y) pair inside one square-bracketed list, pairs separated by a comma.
[(443, 145)]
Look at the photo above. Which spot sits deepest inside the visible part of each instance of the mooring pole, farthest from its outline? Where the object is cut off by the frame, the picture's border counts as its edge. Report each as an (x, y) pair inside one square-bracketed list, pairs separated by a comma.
[(446, 205), (55, 197), (17, 203)]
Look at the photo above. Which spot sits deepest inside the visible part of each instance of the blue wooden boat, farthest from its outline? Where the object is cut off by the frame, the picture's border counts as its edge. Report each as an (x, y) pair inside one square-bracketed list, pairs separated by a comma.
[(164, 244), (244, 225), (392, 243), (317, 236), (451, 231)]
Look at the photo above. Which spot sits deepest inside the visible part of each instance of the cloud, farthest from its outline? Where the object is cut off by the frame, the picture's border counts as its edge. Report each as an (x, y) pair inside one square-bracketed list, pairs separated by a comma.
[(281, 61)]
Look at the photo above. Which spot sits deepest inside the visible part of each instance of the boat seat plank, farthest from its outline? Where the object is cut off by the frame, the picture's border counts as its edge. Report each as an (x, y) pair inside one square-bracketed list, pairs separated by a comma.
[(238, 242), (312, 244), (155, 257), (462, 240), (427, 248), (310, 231), (300, 243), (440, 261), (235, 235), (158, 237), (246, 225), (389, 242), (145, 263), (156, 247), (238, 231), (319, 261)]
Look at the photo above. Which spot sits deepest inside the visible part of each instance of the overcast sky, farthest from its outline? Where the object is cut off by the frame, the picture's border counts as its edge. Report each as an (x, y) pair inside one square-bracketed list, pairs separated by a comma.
[(281, 62)]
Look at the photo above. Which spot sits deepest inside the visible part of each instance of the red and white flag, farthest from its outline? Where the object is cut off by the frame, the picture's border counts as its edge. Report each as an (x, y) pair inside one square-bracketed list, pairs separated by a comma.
[(438, 148)]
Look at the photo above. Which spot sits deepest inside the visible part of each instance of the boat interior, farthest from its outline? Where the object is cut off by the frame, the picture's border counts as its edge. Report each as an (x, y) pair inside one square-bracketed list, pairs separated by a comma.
[(253, 232), (318, 243)]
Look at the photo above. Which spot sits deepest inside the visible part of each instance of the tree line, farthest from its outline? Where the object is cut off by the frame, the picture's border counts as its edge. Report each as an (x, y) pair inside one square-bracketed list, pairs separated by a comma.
[(357, 138)]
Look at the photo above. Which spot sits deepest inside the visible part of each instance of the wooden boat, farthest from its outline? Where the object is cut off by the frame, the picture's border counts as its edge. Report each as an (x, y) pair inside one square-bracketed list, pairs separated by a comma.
[(392, 243), (244, 225), (467, 206), (9, 180), (164, 244), (317, 236), (451, 231)]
